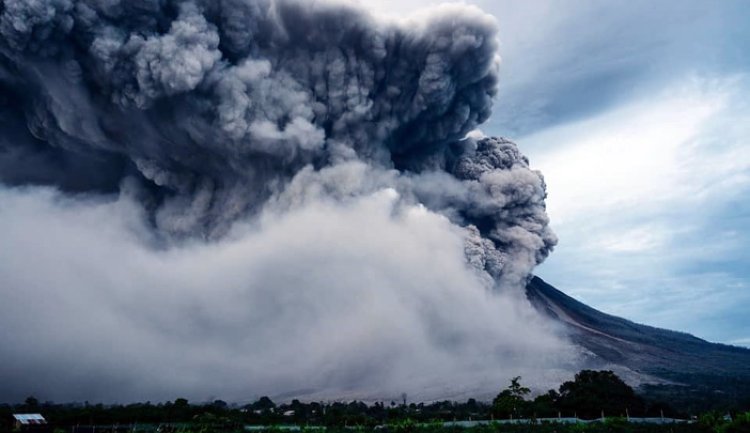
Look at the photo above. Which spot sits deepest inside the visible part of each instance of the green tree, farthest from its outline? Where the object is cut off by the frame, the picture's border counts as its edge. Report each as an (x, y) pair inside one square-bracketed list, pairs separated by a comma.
[(595, 391), (512, 400), (545, 405), (264, 403), (31, 403)]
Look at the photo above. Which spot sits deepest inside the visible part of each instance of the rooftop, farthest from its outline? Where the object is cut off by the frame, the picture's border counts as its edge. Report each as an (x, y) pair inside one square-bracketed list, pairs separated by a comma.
[(29, 418)]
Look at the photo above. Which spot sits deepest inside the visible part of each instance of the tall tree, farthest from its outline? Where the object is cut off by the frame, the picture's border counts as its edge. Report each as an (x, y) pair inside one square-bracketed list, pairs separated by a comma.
[(512, 400), (593, 392)]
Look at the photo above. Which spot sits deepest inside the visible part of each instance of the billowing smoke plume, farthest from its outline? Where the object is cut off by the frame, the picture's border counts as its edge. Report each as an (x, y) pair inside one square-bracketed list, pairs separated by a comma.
[(214, 114)]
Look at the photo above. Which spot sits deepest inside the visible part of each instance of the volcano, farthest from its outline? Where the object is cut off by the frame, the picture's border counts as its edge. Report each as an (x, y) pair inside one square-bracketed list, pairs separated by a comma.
[(673, 366)]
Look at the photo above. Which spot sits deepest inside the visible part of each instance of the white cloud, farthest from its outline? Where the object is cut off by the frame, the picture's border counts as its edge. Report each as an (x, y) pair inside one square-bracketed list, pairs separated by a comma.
[(639, 239), (367, 299), (642, 198), (740, 342), (641, 155)]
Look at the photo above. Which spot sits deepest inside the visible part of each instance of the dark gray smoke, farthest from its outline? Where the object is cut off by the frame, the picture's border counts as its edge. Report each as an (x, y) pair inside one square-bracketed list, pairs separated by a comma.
[(330, 159), (208, 108)]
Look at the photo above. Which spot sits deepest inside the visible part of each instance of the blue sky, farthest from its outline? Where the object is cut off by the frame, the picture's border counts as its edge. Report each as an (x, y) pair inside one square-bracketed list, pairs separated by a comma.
[(638, 114)]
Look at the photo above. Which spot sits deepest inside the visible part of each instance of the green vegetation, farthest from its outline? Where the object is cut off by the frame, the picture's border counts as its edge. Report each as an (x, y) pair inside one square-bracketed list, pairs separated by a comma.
[(588, 396), (511, 402)]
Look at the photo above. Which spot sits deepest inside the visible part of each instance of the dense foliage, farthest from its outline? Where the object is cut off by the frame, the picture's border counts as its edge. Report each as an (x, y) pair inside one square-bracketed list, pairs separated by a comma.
[(588, 396)]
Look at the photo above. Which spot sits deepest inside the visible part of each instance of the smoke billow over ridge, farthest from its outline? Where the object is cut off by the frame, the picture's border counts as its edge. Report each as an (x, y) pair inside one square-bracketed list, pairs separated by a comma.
[(194, 121)]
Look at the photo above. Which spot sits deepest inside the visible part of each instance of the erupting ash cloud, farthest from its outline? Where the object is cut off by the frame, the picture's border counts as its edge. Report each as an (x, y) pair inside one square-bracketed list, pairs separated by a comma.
[(282, 181)]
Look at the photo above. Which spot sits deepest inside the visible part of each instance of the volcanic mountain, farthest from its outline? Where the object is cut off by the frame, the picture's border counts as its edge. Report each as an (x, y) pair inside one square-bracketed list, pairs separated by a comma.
[(673, 366)]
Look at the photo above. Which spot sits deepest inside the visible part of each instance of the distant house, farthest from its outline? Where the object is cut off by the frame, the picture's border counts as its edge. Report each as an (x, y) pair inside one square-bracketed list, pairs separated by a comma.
[(30, 422)]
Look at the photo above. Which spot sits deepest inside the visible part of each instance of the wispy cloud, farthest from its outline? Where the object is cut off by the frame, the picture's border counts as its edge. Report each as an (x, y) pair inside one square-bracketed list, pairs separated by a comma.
[(645, 199)]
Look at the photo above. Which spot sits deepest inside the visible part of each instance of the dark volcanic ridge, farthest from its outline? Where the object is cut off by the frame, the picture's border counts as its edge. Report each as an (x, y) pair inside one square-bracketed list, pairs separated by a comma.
[(657, 359)]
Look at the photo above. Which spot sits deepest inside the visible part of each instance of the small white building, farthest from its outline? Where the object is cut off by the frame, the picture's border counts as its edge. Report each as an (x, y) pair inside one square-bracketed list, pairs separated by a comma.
[(28, 419)]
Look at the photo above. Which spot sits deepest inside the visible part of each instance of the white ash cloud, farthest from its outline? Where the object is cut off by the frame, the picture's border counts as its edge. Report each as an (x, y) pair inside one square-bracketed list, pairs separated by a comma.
[(301, 302), (239, 158)]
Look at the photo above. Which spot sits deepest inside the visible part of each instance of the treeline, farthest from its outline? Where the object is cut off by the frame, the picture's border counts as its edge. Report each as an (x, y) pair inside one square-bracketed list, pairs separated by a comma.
[(592, 394)]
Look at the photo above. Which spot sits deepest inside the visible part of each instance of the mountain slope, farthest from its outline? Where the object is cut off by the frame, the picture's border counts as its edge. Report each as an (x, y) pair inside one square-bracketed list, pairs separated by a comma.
[(667, 362)]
